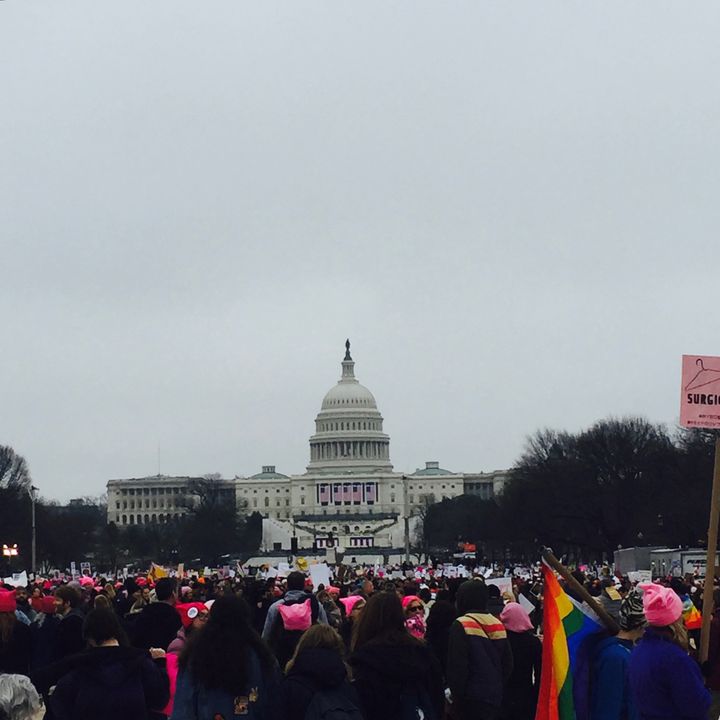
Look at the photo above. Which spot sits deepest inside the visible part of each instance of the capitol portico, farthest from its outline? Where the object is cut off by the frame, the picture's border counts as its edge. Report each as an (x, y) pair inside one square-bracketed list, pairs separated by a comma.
[(348, 498)]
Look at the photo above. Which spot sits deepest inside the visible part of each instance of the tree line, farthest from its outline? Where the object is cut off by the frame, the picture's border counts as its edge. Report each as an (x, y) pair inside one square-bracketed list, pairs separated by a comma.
[(620, 483), (210, 531)]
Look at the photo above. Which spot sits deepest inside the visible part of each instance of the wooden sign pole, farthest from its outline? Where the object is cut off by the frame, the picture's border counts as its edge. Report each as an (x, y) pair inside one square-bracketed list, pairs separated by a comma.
[(598, 609), (710, 561)]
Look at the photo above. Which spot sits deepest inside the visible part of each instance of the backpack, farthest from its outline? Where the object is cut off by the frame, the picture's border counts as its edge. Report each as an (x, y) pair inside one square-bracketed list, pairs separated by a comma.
[(290, 624), (332, 705), (297, 616)]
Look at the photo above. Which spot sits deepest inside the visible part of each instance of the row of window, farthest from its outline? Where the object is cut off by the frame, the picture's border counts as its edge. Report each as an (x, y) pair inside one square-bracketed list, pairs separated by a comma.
[(355, 425), (151, 491), (147, 519), (155, 504)]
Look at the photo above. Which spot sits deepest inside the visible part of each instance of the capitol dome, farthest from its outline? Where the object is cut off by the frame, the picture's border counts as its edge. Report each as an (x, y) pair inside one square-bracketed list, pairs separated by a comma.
[(348, 429)]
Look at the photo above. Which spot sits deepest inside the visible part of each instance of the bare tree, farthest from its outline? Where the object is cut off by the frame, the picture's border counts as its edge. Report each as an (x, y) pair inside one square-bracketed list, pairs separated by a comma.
[(14, 471)]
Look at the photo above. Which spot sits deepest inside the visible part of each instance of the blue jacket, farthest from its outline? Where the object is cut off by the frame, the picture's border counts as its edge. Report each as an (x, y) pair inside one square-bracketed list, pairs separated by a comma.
[(257, 702), (610, 695), (666, 681)]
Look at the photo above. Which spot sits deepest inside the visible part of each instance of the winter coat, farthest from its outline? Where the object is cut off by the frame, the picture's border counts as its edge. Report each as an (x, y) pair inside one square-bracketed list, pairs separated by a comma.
[(479, 664), (156, 626), (257, 702), (15, 653), (610, 695), (666, 681), (383, 673), (274, 611), (521, 690), (68, 638), (314, 670), (114, 683)]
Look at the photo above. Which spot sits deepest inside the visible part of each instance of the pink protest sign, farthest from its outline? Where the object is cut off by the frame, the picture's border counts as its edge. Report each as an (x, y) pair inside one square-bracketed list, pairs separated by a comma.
[(700, 394)]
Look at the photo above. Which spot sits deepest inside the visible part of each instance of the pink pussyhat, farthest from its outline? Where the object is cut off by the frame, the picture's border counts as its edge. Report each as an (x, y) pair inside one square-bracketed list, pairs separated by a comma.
[(662, 605), (351, 602)]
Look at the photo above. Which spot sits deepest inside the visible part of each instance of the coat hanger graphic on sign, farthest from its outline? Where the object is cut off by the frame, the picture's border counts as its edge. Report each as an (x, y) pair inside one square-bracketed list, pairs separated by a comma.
[(704, 376)]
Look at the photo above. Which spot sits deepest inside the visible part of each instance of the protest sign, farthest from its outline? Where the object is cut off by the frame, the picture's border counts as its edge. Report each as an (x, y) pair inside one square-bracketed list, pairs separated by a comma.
[(320, 573)]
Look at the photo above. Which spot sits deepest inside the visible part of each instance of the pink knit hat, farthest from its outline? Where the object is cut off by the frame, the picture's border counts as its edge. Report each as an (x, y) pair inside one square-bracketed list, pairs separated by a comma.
[(409, 598), (351, 602), (662, 605), (515, 618), (7, 601)]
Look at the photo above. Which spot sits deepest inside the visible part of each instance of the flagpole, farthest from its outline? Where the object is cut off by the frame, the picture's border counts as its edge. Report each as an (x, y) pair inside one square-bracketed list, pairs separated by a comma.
[(555, 564)]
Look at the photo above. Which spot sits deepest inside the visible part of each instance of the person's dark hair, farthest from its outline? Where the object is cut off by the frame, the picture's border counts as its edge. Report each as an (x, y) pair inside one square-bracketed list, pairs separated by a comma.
[(296, 581), (493, 591), (425, 595), (382, 622), (165, 588), (103, 624), (472, 596), (69, 595), (217, 657)]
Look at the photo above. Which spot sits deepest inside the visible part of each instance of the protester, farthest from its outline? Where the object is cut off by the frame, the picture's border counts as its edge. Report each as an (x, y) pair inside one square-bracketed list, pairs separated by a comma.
[(395, 674), (326, 597), (352, 607), (69, 636), (43, 632), (479, 656), (14, 637), (317, 679), (157, 624), (414, 616), (521, 691), (193, 617), (226, 669), (289, 617), (441, 617), (110, 679), (665, 681), (19, 700), (610, 695)]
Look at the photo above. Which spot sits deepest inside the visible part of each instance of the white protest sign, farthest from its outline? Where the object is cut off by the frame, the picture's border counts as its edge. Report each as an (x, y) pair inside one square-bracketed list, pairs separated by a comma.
[(17, 579), (504, 584), (283, 569), (320, 573), (638, 576), (272, 572), (525, 604)]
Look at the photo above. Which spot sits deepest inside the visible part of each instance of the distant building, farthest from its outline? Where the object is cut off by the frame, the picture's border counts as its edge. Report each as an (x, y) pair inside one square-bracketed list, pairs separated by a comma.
[(156, 499), (348, 497)]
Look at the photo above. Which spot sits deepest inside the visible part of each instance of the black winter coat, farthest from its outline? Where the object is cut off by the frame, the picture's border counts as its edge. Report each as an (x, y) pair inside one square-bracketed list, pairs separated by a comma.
[(521, 691), (69, 637), (113, 683), (383, 673), (156, 626), (15, 653), (314, 670)]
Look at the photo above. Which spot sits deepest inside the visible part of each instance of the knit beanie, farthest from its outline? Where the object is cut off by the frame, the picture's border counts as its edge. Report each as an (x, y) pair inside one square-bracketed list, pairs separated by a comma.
[(410, 598), (471, 597), (632, 615), (189, 611), (351, 602), (7, 601), (515, 618), (662, 605)]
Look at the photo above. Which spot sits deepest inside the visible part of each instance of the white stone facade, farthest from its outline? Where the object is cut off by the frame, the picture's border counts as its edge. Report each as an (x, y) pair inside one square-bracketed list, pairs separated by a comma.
[(349, 496)]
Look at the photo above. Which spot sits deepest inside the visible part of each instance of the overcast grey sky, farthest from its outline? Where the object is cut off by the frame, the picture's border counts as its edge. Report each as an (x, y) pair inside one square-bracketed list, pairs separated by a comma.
[(511, 208)]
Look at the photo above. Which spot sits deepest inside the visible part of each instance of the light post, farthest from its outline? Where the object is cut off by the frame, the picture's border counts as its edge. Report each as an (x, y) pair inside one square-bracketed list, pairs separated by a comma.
[(33, 554)]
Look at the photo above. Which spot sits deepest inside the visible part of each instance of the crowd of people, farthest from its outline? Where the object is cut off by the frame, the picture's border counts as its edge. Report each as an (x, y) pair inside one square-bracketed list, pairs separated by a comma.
[(372, 648)]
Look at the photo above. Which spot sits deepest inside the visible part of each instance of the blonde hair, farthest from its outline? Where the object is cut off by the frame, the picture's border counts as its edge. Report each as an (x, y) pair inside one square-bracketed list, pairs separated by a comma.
[(319, 636)]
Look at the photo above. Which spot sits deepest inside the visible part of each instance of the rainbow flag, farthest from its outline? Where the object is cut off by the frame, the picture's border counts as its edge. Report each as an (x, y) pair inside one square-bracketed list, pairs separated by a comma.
[(565, 626)]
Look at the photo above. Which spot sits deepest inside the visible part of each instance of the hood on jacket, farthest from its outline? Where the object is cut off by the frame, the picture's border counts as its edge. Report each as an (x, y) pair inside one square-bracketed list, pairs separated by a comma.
[(323, 666)]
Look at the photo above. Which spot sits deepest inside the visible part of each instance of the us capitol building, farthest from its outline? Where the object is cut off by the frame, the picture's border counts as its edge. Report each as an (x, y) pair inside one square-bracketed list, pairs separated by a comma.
[(348, 498)]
